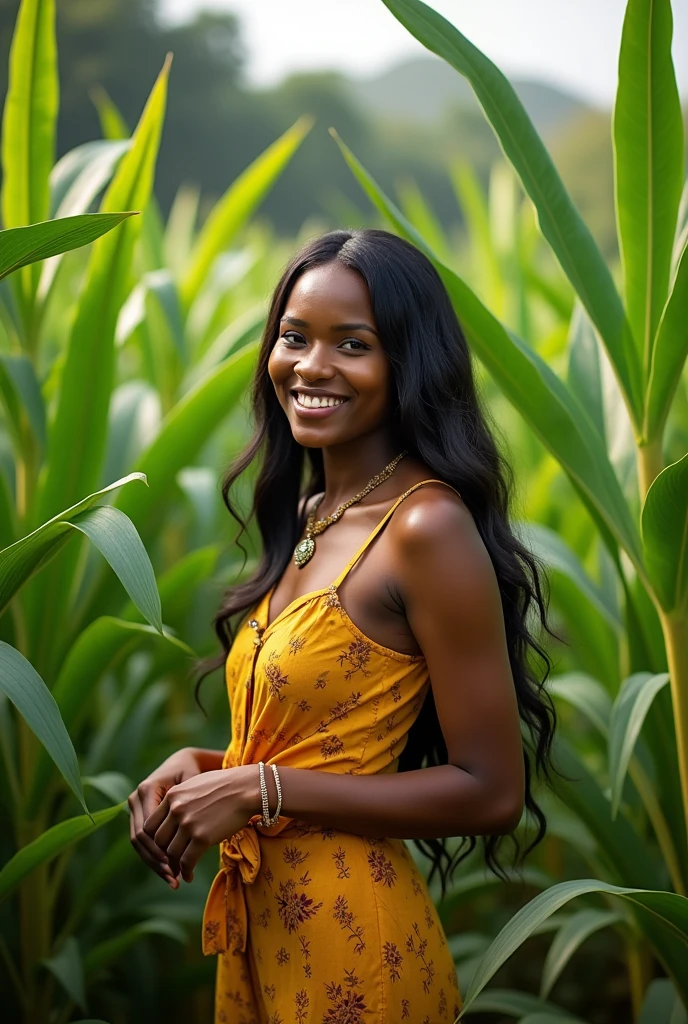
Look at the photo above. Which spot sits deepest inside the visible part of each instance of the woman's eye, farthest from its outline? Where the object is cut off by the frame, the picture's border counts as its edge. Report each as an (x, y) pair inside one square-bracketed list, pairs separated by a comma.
[(356, 345), (292, 338)]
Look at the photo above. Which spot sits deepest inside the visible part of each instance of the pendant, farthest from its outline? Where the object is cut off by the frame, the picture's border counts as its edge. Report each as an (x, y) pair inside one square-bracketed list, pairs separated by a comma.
[(303, 552)]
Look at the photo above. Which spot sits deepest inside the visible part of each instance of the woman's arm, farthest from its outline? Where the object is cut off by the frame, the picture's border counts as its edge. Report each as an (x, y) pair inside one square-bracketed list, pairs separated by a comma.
[(449, 590)]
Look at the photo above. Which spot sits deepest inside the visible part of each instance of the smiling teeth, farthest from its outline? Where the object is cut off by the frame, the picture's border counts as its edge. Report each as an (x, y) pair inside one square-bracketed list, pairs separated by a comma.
[(315, 402)]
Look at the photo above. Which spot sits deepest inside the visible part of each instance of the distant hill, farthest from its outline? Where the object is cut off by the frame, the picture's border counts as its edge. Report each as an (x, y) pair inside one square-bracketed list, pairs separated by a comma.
[(424, 88)]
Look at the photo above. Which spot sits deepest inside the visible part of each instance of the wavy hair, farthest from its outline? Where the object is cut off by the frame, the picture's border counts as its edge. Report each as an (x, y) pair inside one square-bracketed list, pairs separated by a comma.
[(438, 419)]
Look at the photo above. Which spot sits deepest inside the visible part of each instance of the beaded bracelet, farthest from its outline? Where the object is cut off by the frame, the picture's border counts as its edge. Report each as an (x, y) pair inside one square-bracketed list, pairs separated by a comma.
[(266, 820)]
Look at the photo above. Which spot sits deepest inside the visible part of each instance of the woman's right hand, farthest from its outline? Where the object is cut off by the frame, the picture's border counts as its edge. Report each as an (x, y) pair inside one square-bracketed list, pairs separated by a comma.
[(142, 802)]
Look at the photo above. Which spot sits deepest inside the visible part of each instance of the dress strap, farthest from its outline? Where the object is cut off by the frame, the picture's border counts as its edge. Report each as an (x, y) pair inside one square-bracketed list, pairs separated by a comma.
[(382, 523)]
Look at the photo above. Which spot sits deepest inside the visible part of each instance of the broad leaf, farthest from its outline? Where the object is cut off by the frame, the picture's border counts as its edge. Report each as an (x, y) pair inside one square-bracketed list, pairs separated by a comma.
[(68, 967), (111, 949), (557, 417), (50, 844), (36, 704), (568, 940), (662, 1005), (81, 174), (513, 1003), (664, 526), (28, 127), (21, 246), (190, 423), (668, 353), (21, 395), (668, 911), (236, 206), (19, 561), (560, 222), (628, 714), (648, 146)]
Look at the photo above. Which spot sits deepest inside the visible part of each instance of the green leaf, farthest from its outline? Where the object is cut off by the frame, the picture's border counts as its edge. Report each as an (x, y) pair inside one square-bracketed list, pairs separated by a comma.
[(669, 352), (560, 222), (81, 174), (514, 1004), (187, 427), (552, 549), (238, 203), (21, 395), (81, 419), (628, 714), (116, 538), (103, 643), (662, 1005), (648, 147), (556, 416), (664, 527), (113, 785), (20, 560), (29, 124), (108, 951), (36, 704), (21, 246), (668, 911), (68, 967), (586, 695), (569, 938), (50, 844), (585, 369), (247, 327)]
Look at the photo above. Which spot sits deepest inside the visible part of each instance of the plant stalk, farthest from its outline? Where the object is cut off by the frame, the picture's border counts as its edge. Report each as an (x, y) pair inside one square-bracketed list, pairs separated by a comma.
[(675, 627), (650, 464)]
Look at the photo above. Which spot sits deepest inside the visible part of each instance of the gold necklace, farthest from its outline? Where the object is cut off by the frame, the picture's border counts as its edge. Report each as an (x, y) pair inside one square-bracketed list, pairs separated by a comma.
[(305, 549)]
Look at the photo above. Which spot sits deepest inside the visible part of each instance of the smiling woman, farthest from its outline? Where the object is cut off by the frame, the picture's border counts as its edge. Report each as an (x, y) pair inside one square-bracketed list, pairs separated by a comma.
[(382, 677)]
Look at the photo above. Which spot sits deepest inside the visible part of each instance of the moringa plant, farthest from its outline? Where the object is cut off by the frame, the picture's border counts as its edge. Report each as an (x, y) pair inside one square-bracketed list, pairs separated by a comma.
[(637, 811)]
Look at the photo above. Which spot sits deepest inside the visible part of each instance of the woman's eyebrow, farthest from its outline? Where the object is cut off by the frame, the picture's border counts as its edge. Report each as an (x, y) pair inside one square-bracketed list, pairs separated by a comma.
[(336, 327)]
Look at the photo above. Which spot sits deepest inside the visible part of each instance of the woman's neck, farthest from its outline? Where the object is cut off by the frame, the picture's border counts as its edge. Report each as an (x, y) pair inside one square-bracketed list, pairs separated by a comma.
[(349, 467)]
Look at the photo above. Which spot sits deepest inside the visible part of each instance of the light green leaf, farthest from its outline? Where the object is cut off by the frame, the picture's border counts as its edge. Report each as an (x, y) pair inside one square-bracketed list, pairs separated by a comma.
[(628, 714), (668, 911), (50, 844), (557, 417), (180, 229), (664, 527), (36, 704), (245, 329), (21, 395), (560, 222), (68, 967), (81, 418), (29, 124), (550, 1018), (116, 538), (81, 174), (648, 147), (187, 427), (552, 549), (669, 352), (585, 694), (21, 560), (236, 206), (568, 940), (103, 643), (21, 246), (585, 370)]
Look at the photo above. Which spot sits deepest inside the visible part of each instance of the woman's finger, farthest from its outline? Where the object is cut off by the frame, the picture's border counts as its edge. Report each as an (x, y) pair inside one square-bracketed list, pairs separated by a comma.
[(166, 833), (152, 823), (176, 848), (144, 840), (150, 797), (162, 869), (190, 858)]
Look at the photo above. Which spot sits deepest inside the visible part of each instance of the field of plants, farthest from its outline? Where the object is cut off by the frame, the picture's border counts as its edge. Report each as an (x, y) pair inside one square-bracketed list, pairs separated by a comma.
[(127, 343)]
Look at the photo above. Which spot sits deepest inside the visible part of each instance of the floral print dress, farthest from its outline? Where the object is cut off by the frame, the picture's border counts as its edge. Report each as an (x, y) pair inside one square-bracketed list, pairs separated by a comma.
[(313, 925)]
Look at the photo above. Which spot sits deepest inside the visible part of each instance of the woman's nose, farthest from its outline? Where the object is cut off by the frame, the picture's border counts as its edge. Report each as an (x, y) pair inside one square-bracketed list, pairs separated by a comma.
[(314, 364)]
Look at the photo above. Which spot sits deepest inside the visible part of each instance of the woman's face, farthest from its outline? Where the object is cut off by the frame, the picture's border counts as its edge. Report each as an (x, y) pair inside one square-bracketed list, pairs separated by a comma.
[(330, 372)]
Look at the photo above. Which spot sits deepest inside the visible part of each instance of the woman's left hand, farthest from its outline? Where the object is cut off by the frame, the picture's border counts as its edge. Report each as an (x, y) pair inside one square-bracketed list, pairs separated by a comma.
[(201, 812)]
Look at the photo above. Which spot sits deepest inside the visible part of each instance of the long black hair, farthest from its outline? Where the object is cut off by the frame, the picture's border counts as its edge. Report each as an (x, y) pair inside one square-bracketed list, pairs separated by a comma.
[(438, 419)]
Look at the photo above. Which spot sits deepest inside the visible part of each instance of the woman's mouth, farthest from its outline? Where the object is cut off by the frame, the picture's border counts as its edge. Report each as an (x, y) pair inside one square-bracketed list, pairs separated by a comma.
[(310, 406)]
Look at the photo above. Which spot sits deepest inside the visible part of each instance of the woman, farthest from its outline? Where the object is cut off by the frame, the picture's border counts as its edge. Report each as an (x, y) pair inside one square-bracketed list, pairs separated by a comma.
[(384, 629)]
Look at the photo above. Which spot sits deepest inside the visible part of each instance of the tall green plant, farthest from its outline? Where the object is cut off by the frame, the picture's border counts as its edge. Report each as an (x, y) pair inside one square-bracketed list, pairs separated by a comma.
[(646, 349)]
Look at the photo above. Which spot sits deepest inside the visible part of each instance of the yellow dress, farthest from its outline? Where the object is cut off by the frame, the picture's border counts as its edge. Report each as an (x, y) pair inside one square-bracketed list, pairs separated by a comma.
[(312, 924)]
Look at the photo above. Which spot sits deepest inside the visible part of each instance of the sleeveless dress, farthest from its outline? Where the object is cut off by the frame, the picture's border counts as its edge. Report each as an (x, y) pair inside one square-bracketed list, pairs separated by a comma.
[(313, 924)]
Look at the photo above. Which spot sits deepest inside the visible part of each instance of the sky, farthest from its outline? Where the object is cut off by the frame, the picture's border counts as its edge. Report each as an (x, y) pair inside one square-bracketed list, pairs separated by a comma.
[(570, 43)]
